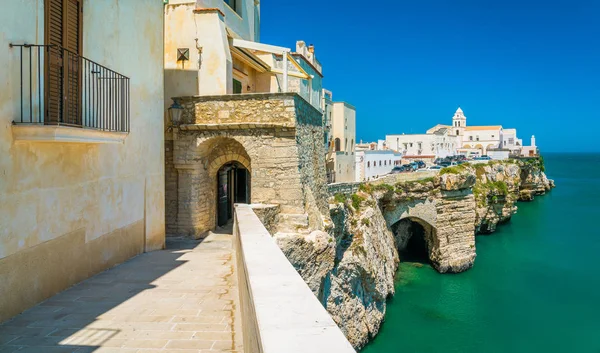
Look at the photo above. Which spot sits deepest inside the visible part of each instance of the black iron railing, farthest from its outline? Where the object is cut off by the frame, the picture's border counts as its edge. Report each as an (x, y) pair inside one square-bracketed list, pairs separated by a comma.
[(59, 87)]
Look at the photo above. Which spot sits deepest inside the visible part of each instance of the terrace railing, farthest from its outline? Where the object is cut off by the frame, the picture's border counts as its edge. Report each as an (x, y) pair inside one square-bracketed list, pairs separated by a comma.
[(59, 87)]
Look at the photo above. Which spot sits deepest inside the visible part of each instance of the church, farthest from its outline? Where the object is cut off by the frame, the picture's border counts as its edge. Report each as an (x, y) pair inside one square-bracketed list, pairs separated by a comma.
[(477, 140)]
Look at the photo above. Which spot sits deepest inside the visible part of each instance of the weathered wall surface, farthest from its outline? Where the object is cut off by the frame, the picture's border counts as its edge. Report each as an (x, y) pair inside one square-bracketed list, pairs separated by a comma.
[(70, 210), (276, 136)]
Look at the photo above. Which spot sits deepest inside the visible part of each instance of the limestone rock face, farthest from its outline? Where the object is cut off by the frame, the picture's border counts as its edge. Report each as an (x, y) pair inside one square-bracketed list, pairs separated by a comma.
[(312, 255), (366, 260), (500, 185), (457, 181)]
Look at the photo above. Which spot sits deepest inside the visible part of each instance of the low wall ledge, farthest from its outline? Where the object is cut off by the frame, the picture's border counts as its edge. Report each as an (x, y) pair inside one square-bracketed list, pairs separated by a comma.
[(281, 312)]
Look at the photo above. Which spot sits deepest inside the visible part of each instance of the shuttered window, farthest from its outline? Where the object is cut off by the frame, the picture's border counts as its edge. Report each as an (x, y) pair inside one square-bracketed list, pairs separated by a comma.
[(63, 74)]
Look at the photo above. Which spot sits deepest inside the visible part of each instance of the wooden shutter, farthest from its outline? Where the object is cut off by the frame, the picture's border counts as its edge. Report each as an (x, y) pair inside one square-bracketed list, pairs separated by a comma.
[(63, 74)]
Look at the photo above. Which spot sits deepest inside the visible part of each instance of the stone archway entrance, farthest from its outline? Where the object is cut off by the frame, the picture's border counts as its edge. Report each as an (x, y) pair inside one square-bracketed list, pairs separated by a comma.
[(233, 186), (414, 239)]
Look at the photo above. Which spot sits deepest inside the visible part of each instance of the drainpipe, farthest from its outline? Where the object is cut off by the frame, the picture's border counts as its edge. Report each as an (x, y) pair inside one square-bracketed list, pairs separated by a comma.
[(285, 71)]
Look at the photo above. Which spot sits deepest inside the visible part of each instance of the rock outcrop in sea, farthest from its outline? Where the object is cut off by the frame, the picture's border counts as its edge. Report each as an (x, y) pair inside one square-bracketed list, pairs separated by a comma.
[(351, 265)]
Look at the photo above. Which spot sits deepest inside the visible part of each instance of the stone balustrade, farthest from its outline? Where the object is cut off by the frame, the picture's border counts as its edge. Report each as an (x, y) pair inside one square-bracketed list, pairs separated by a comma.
[(279, 311)]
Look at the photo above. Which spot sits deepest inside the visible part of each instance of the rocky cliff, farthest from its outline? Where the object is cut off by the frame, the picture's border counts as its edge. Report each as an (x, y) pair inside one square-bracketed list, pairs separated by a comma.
[(501, 184), (351, 265)]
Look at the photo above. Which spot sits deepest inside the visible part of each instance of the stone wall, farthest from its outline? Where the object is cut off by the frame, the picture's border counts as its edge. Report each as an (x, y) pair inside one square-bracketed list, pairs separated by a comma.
[(279, 312), (277, 137)]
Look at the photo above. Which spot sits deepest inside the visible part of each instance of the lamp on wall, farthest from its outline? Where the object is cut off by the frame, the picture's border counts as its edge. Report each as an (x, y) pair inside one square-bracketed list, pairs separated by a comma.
[(175, 111)]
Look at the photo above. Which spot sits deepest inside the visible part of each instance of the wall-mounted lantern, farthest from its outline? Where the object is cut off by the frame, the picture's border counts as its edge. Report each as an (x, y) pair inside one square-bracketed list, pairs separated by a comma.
[(175, 112)]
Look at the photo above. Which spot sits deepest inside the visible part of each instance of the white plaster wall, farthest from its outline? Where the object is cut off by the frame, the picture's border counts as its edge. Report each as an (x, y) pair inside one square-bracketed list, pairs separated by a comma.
[(344, 128), (431, 144), (377, 163), (484, 138), (50, 189), (241, 25)]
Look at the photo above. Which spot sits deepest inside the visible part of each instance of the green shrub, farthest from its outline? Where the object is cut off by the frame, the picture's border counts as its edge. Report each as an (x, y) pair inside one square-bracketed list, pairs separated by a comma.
[(365, 188), (340, 198), (457, 169), (383, 187), (356, 201), (365, 222)]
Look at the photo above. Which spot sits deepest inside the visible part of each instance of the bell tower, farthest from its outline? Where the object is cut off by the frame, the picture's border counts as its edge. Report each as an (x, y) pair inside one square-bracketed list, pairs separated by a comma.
[(459, 122)]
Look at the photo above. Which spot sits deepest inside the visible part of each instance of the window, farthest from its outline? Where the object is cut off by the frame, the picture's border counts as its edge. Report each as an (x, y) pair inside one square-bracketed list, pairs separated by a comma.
[(352, 144), (346, 145), (237, 86), (470, 138), (63, 75), (492, 136), (380, 163), (477, 138), (236, 5), (337, 144), (368, 164), (457, 133), (511, 141), (411, 144)]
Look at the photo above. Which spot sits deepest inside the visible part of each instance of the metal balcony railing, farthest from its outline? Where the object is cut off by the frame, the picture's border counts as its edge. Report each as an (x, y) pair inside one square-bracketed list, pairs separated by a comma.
[(59, 87)]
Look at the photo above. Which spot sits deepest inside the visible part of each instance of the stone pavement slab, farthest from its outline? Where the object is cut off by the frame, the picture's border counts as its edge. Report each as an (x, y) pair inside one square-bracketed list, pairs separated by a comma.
[(183, 299)]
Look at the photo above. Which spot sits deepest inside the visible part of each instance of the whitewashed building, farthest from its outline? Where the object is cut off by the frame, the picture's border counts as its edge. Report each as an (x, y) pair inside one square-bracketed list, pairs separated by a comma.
[(437, 143), (372, 164), (341, 166)]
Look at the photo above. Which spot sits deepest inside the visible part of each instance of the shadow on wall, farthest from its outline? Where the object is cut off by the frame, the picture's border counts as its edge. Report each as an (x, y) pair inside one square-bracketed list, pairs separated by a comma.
[(65, 322)]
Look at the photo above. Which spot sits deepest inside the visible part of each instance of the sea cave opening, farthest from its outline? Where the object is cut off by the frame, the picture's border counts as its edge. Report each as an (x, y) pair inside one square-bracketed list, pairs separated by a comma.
[(412, 240)]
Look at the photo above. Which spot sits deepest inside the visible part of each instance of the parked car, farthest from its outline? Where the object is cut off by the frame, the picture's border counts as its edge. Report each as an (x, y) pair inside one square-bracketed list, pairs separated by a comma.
[(396, 170), (408, 167), (445, 164), (482, 158), (421, 164)]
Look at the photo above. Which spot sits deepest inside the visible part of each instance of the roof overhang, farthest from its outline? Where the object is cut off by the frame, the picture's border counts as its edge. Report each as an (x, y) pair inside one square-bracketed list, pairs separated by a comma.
[(248, 58), (241, 44)]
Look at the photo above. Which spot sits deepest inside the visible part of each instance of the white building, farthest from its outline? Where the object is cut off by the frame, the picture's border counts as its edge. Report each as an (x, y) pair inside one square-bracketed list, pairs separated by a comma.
[(436, 143), (371, 164), (341, 166)]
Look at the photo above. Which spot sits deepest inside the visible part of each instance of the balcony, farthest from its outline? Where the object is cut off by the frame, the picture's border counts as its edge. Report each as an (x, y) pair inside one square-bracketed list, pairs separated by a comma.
[(65, 97)]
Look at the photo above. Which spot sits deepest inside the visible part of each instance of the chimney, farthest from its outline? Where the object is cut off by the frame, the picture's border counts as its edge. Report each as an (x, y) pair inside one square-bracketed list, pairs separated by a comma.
[(311, 48), (532, 140)]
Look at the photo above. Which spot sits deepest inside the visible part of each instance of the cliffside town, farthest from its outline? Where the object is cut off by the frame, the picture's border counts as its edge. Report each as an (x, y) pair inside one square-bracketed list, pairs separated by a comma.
[(351, 266)]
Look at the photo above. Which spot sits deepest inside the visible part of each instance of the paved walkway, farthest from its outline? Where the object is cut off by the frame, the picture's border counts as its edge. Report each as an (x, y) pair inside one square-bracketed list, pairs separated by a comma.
[(182, 300)]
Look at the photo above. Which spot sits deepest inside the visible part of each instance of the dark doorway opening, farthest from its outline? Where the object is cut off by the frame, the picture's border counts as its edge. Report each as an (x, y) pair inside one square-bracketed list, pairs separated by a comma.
[(233, 186), (411, 238)]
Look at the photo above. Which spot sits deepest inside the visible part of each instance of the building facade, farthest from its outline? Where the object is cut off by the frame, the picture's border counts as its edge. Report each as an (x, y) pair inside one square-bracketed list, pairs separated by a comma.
[(372, 164), (83, 185), (341, 163), (250, 128), (437, 144)]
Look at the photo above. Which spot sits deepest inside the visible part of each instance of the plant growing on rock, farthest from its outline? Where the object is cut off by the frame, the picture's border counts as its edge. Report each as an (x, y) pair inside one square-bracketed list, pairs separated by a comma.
[(356, 201)]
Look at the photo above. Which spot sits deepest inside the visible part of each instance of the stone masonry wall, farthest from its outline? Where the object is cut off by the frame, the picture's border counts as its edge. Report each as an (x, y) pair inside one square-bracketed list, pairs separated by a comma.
[(277, 137)]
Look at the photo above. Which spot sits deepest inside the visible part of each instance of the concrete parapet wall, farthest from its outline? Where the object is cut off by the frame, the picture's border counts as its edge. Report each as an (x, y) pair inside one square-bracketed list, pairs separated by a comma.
[(392, 179), (279, 311), (343, 188)]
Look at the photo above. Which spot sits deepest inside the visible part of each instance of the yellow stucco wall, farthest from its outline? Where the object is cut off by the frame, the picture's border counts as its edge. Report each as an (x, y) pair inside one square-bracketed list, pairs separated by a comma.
[(82, 207)]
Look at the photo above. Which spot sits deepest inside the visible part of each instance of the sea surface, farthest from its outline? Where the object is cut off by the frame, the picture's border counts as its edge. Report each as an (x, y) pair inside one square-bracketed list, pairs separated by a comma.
[(535, 286)]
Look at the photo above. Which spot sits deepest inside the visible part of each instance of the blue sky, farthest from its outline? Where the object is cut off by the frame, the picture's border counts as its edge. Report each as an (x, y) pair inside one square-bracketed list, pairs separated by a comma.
[(407, 65)]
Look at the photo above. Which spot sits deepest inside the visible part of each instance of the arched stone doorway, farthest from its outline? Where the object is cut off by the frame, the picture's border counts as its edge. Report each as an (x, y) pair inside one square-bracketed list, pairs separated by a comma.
[(415, 239), (233, 186)]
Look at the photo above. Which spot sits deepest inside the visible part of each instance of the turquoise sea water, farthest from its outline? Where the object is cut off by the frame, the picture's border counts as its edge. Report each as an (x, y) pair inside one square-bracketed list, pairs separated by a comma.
[(535, 286)]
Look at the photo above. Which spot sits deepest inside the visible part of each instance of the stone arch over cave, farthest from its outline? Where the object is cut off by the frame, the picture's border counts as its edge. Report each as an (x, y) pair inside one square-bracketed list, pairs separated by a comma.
[(415, 239)]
